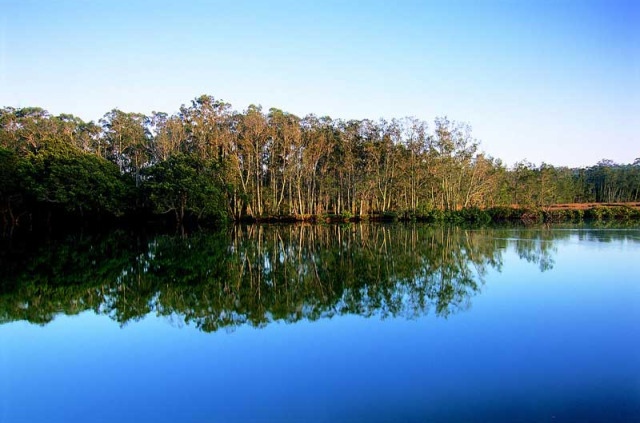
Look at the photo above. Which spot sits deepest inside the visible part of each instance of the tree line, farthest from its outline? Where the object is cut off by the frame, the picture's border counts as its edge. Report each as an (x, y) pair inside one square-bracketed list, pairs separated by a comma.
[(208, 161)]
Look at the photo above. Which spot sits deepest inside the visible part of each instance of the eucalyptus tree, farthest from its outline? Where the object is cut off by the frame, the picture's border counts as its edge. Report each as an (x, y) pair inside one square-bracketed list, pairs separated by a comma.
[(169, 136), (207, 123), (318, 137), (453, 149), (613, 182), (382, 141), (252, 136), (128, 141), (416, 162), (27, 130), (284, 159)]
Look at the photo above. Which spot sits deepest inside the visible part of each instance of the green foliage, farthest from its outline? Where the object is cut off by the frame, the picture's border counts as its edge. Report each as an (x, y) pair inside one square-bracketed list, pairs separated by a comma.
[(184, 185), (620, 213), (389, 215), (79, 183), (472, 215), (504, 214), (11, 184), (562, 215), (346, 215), (9, 163)]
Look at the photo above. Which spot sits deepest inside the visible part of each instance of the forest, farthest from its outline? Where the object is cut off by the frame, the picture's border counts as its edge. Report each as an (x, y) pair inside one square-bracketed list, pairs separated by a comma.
[(208, 162)]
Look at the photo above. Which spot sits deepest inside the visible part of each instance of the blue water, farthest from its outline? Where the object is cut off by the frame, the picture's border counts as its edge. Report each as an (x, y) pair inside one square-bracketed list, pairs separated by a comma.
[(537, 342)]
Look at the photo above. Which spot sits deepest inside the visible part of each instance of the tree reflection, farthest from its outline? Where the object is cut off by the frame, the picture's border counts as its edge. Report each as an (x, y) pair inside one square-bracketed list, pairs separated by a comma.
[(254, 275)]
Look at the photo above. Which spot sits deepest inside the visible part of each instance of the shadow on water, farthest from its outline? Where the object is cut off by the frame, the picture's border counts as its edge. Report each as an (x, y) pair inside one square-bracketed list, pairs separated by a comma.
[(254, 275)]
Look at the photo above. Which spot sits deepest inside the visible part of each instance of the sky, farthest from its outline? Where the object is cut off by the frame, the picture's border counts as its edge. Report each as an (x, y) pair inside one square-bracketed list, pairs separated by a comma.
[(546, 81)]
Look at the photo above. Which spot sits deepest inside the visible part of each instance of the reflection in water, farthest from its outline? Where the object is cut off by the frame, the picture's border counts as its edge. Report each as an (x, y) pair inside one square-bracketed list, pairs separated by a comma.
[(258, 274)]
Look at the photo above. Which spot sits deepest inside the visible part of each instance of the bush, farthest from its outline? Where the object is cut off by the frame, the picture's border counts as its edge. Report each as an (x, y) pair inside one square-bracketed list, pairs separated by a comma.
[(498, 214), (597, 213), (346, 215), (389, 216), (531, 216), (474, 215)]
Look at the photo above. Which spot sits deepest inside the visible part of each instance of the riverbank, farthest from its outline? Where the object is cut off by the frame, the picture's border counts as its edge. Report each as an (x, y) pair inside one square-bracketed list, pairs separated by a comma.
[(510, 215), (559, 213)]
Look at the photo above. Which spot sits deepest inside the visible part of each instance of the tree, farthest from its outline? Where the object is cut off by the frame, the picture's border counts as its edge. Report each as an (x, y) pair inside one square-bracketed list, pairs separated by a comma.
[(453, 149), (185, 184), (128, 139), (63, 177), (12, 191)]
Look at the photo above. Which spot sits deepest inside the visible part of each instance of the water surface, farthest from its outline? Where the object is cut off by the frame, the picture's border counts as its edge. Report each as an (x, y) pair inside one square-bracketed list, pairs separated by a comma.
[(323, 323)]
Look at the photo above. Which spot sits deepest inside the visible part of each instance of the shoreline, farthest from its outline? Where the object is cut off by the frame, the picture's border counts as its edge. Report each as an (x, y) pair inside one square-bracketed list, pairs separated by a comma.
[(558, 213), (505, 215)]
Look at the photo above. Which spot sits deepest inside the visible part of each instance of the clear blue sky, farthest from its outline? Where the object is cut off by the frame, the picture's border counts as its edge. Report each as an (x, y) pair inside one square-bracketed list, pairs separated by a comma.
[(554, 81)]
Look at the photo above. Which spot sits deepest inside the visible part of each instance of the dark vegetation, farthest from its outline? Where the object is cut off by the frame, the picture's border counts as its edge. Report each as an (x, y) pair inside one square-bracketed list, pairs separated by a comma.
[(210, 163)]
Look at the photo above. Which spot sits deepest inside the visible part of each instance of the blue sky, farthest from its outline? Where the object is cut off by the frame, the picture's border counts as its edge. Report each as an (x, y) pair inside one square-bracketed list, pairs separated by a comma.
[(554, 81)]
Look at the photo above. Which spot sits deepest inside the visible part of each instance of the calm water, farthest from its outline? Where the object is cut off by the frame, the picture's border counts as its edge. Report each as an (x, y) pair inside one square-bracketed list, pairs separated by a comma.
[(375, 323)]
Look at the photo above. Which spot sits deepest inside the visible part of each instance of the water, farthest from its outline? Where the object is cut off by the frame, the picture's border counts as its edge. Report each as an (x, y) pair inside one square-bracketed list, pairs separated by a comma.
[(375, 323)]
